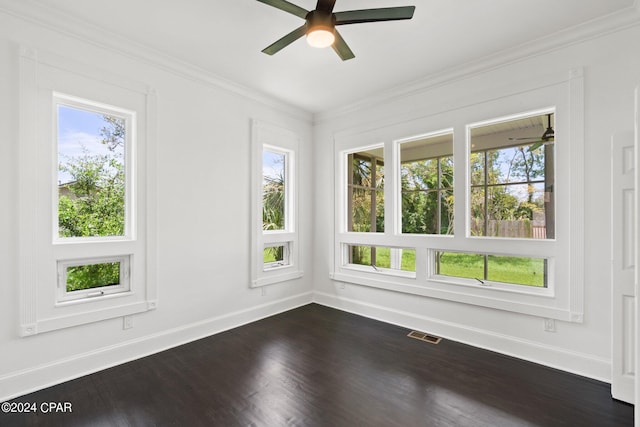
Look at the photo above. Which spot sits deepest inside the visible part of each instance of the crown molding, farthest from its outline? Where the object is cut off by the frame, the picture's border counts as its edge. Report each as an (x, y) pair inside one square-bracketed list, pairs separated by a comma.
[(608, 24), (68, 25)]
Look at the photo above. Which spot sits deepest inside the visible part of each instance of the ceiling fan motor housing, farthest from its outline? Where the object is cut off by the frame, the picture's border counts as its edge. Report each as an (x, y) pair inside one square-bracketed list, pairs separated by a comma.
[(320, 20)]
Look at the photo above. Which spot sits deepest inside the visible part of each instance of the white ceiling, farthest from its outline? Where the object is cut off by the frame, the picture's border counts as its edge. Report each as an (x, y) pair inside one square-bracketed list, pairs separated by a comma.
[(225, 37)]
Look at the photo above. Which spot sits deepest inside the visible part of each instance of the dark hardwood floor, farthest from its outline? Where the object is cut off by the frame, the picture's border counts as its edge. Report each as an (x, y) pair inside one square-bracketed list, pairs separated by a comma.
[(315, 366)]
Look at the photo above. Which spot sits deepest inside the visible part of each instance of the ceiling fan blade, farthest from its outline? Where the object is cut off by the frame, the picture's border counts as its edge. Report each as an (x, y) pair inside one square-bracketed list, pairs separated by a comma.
[(287, 7), (326, 5), (540, 144), (286, 40), (374, 15), (530, 138), (341, 47)]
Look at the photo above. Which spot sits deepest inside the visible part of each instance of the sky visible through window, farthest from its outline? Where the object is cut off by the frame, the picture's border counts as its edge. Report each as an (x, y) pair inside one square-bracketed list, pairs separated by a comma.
[(78, 134)]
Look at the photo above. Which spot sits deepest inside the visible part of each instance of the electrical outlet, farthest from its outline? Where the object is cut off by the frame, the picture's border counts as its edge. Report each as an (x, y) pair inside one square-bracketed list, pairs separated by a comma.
[(549, 325), (127, 322)]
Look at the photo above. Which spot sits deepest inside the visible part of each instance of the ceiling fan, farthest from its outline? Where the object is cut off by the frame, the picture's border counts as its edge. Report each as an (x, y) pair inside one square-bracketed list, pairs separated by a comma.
[(320, 24), (547, 137)]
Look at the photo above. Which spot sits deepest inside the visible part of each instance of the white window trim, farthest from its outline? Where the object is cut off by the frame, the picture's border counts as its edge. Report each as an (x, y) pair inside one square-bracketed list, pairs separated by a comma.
[(563, 299), (276, 139), (42, 75)]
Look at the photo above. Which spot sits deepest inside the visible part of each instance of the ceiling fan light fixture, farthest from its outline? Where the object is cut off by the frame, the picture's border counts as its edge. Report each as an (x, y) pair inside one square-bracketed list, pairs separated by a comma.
[(320, 36)]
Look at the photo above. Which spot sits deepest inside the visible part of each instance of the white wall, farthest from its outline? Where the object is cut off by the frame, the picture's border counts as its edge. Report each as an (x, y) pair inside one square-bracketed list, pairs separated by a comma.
[(203, 243), (203, 212), (612, 70)]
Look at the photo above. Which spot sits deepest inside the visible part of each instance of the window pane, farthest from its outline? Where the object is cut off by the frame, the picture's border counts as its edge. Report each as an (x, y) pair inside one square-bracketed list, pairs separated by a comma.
[(383, 257), (519, 270), (458, 264), (93, 276), (273, 190), (426, 167), (366, 191), (276, 256), (482, 267), (512, 178), (91, 173)]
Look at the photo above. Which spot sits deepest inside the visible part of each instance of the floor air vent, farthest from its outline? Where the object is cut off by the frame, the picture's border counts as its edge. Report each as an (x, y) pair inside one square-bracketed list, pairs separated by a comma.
[(424, 337)]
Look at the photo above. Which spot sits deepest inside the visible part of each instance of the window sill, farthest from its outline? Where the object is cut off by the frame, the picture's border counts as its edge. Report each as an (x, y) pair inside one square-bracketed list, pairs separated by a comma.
[(493, 286), (274, 276), (483, 296)]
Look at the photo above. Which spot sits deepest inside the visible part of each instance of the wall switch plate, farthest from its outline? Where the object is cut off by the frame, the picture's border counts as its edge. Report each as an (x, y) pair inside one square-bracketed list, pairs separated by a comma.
[(127, 322), (549, 325)]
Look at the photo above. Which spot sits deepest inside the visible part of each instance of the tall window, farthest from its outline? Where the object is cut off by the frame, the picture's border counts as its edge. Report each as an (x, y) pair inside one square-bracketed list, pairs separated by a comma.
[(426, 168), (512, 178), (275, 253), (86, 188), (366, 191), (93, 141), (91, 170), (276, 216)]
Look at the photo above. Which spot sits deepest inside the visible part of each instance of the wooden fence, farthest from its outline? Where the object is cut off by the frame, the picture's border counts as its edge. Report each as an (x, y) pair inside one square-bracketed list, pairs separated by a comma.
[(505, 228)]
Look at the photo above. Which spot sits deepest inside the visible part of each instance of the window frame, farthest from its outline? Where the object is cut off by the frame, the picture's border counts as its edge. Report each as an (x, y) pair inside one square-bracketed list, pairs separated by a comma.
[(268, 137), (486, 186), (120, 289), (58, 99), (563, 298), (46, 78), (438, 190)]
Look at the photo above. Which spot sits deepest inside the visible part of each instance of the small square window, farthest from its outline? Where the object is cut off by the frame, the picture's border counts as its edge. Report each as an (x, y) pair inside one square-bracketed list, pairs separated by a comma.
[(90, 278), (276, 256)]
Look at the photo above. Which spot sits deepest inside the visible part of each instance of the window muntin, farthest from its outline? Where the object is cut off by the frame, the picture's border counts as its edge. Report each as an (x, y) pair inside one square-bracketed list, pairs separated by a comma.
[(274, 190), (485, 268), (426, 175), (365, 191), (90, 278), (512, 178), (93, 179)]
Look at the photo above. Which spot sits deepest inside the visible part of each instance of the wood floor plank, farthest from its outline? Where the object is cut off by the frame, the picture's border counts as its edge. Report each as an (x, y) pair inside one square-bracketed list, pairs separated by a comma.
[(316, 366)]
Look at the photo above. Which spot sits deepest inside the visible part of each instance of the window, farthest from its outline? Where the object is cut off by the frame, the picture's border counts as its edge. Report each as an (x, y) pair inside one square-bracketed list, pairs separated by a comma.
[(274, 190), (511, 169), (92, 144), (275, 253), (276, 256), (501, 229), (86, 186), (366, 191), (489, 269), (381, 259), (90, 278), (426, 168)]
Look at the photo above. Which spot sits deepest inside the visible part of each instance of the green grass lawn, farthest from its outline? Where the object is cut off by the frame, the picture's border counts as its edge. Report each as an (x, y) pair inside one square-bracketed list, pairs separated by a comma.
[(506, 269), (383, 257)]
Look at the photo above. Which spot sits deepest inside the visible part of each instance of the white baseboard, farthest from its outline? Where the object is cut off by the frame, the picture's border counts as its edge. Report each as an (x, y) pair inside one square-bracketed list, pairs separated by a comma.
[(577, 363), (19, 383)]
